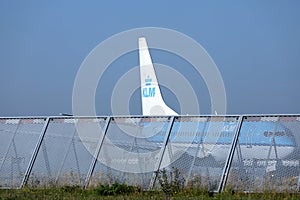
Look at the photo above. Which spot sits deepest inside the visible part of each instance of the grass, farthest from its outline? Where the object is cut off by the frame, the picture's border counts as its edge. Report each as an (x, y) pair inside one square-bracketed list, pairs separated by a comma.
[(170, 185), (132, 193)]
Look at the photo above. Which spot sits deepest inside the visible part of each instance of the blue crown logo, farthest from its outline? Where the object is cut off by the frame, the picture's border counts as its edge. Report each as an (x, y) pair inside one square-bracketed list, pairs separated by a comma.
[(148, 80)]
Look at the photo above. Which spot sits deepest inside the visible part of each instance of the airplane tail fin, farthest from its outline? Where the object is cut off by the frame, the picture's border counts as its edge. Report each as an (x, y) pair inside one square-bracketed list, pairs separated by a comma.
[(152, 101)]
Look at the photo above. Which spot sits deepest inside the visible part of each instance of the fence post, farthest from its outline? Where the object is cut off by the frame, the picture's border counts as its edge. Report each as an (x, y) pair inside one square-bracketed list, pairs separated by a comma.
[(162, 152), (35, 153), (230, 156), (96, 154)]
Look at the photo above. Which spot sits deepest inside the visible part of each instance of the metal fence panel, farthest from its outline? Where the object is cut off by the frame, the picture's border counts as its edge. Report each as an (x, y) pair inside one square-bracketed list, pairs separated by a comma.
[(197, 150), (130, 150), (66, 152), (18, 139), (267, 155)]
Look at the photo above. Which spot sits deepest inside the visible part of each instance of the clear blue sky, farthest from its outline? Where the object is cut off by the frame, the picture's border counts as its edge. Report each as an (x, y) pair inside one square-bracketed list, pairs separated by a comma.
[(255, 44)]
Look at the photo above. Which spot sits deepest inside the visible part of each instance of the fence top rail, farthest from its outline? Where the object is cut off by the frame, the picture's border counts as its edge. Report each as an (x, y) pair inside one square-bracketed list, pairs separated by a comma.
[(143, 116)]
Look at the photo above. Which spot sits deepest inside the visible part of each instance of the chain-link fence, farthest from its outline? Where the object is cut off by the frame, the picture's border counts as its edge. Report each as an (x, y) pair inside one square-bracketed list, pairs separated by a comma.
[(18, 138), (131, 150), (247, 153), (65, 156), (266, 156), (197, 150)]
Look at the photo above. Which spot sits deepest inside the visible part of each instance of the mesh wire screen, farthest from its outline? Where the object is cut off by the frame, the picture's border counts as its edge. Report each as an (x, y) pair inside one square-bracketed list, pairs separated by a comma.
[(18, 140), (66, 154), (130, 150), (267, 155), (197, 150)]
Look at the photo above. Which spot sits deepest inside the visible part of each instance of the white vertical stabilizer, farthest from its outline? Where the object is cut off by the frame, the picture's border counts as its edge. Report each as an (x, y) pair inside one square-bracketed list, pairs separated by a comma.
[(152, 101)]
